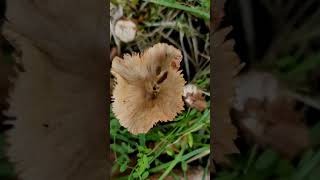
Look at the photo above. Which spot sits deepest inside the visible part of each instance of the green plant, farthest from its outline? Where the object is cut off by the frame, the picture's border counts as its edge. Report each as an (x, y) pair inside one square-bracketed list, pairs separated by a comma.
[(182, 141), (201, 10)]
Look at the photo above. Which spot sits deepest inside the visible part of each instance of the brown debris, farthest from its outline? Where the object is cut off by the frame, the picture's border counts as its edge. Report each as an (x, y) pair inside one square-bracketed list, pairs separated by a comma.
[(194, 97)]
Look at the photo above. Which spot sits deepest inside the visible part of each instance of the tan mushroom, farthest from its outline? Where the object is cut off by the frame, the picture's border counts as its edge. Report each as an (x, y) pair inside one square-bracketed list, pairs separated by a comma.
[(149, 88)]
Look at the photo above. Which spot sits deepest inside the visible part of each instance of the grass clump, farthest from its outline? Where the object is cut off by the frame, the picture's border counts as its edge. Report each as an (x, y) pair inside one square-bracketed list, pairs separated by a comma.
[(167, 146)]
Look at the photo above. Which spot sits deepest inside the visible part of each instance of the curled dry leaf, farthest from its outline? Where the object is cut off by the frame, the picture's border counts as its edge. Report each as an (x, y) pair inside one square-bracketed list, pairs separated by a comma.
[(225, 63), (125, 30), (149, 87), (194, 97)]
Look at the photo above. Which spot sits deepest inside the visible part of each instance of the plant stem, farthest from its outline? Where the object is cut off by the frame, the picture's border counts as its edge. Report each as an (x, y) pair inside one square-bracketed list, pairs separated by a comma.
[(173, 164)]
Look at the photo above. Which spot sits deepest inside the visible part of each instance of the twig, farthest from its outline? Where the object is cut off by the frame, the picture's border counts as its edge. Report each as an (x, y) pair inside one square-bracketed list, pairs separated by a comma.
[(305, 99), (143, 5), (199, 156), (162, 23), (185, 58), (169, 33), (194, 43), (170, 39), (191, 49), (205, 56), (151, 34)]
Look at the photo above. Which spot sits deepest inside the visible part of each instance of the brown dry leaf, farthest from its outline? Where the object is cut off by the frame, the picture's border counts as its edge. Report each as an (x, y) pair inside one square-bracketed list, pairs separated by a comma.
[(59, 100), (225, 63), (194, 97), (148, 88)]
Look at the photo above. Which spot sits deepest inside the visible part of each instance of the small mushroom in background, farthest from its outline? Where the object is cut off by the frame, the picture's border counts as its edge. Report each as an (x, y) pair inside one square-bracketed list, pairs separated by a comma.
[(125, 30), (194, 97)]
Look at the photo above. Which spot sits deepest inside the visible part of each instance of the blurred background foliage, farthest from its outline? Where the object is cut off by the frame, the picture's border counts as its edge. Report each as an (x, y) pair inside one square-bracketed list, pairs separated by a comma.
[(281, 38)]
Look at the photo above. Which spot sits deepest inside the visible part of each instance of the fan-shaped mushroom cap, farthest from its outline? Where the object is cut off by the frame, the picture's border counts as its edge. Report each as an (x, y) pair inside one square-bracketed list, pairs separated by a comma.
[(149, 88)]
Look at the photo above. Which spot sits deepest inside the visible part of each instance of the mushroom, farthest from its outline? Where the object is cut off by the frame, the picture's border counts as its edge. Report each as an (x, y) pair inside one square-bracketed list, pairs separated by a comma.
[(125, 30), (149, 87)]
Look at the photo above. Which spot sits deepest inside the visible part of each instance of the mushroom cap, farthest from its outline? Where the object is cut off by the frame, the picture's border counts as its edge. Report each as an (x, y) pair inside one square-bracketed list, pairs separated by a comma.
[(125, 30), (149, 88)]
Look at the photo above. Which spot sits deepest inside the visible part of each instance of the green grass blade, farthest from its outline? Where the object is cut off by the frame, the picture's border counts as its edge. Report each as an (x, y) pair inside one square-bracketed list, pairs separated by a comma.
[(195, 11), (172, 164)]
